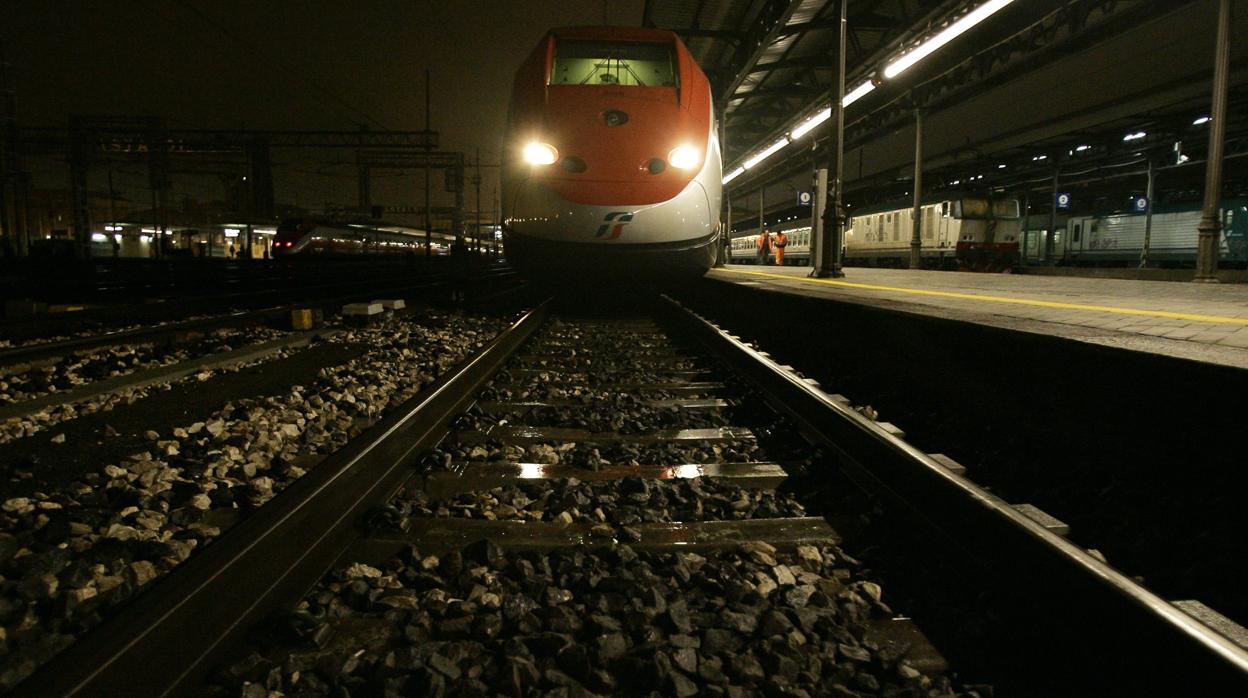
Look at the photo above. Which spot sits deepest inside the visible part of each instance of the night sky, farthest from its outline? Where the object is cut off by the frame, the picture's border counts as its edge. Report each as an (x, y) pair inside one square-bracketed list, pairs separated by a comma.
[(284, 65)]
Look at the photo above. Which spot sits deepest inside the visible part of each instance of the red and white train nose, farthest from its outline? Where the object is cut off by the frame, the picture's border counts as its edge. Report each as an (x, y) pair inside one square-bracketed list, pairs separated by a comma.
[(613, 156)]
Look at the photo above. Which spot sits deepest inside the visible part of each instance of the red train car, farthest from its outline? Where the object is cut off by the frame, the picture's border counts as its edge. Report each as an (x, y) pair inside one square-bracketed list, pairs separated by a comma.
[(612, 158)]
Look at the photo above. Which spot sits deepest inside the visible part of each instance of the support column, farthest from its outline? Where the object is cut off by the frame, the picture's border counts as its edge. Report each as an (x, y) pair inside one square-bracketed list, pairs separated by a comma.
[(1148, 216), (1048, 237), (724, 254), (1210, 228), (830, 247), (818, 211), (916, 226)]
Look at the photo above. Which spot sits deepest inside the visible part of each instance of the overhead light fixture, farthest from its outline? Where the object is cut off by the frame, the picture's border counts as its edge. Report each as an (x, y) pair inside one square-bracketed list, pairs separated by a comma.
[(765, 153), (1000, 167), (1134, 136), (1201, 121), (1038, 158), (950, 33), (858, 92), (1081, 148), (806, 126), (733, 175)]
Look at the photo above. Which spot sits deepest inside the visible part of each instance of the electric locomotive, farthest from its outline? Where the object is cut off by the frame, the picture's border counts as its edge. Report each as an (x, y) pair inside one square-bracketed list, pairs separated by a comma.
[(612, 159)]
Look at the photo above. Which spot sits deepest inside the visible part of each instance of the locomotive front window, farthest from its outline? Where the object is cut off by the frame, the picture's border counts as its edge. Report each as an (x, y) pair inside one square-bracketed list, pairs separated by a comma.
[(614, 63), (1005, 208), (971, 208)]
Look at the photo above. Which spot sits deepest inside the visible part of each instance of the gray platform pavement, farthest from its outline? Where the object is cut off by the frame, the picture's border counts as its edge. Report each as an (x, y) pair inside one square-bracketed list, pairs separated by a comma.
[(1202, 322)]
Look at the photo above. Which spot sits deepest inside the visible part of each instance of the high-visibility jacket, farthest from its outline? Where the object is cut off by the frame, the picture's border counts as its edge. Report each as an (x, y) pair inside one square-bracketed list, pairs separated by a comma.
[(764, 242), (782, 240)]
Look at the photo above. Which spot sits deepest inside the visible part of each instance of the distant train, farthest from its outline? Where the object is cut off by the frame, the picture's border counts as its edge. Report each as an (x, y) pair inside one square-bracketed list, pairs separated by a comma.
[(305, 236), (1118, 238), (612, 161), (968, 232)]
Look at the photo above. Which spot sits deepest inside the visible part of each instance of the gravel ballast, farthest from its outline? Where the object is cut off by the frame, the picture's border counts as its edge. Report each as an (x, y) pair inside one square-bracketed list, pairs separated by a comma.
[(744, 622), (68, 556)]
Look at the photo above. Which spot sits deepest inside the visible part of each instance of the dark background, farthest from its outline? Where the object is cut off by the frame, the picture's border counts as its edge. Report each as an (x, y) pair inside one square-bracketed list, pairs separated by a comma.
[(282, 64)]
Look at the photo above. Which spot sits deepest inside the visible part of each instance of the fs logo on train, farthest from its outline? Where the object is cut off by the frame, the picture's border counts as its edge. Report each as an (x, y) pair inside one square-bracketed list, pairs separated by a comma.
[(615, 222)]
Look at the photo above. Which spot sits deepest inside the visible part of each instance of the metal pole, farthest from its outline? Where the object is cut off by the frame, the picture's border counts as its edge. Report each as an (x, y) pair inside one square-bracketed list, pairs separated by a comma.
[(428, 157), (1048, 237), (1026, 223), (829, 265), (818, 209), (477, 181), (916, 240), (1210, 228), (112, 197), (760, 209), (1148, 216), (724, 256)]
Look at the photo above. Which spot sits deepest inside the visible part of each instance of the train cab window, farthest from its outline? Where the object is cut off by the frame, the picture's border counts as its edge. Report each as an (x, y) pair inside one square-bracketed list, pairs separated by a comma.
[(636, 64), (1005, 208), (1078, 229)]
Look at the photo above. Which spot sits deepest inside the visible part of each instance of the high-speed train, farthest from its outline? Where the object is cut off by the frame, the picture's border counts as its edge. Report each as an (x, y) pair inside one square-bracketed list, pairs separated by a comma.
[(306, 236), (612, 159)]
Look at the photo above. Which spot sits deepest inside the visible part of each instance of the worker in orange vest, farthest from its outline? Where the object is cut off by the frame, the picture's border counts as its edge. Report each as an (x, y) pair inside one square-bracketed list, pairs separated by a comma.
[(781, 242), (764, 248)]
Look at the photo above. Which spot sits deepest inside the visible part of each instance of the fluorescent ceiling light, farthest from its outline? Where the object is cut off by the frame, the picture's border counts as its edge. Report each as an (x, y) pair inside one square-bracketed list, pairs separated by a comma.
[(1200, 121), (734, 174), (806, 126), (950, 33), (766, 153), (1134, 136), (858, 92), (1081, 148)]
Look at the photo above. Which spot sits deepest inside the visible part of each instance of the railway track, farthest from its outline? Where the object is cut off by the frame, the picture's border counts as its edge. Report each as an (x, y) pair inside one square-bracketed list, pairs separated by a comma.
[(40, 375), (612, 505), (99, 326)]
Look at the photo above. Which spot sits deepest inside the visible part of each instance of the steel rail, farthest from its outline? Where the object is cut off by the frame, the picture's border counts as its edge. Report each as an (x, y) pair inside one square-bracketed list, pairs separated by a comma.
[(32, 353), (1157, 646), (168, 639)]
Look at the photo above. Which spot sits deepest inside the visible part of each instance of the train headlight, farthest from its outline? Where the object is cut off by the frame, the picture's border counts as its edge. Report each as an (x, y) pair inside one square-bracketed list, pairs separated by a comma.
[(537, 153), (685, 157)]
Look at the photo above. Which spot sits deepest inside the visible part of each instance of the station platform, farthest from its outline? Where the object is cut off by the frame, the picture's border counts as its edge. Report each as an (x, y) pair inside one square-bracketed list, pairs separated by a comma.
[(1201, 322)]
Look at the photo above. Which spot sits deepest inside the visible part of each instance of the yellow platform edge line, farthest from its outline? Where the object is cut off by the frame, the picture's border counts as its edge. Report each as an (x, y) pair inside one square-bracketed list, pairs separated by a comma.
[(1213, 319)]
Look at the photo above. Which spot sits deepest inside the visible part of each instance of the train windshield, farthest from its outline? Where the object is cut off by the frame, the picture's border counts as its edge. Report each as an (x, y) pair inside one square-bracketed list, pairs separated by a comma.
[(614, 63), (984, 209)]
